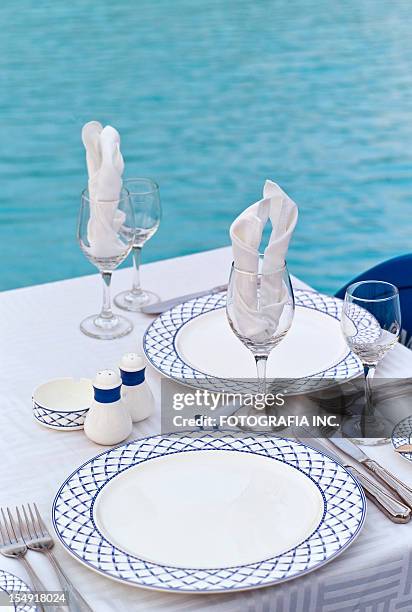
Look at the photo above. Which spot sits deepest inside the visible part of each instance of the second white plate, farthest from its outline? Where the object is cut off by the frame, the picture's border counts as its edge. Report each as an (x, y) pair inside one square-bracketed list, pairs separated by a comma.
[(194, 344)]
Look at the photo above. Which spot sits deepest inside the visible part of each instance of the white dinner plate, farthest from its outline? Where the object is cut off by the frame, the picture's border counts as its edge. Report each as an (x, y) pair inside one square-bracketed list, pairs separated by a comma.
[(402, 434), (208, 512), (11, 584), (193, 343)]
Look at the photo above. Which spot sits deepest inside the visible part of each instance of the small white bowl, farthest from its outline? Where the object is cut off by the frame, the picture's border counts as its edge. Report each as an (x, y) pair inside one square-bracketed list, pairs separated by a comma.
[(62, 403)]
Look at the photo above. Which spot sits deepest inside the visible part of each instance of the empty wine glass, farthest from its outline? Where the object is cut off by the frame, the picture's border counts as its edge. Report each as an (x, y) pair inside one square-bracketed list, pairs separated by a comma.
[(144, 195), (371, 323), (260, 308), (105, 233)]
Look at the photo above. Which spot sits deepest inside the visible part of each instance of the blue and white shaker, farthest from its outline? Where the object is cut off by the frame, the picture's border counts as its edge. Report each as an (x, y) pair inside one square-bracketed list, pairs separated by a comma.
[(108, 421), (136, 393)]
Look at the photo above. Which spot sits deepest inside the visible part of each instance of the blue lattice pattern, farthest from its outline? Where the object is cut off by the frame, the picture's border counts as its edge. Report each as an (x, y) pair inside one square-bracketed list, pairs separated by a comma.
[(160, 349), (344, 512), (59, 419), (366, 327), (402, 434), (12, 584)]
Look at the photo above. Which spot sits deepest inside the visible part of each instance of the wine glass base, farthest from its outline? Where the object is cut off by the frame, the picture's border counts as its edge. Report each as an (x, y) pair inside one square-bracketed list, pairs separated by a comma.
[(370, 441), (96, 327), (127, 300), (352, 429)]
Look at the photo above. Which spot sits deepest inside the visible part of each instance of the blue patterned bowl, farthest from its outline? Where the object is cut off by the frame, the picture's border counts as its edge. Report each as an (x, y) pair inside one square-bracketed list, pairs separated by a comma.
[(62, 403)]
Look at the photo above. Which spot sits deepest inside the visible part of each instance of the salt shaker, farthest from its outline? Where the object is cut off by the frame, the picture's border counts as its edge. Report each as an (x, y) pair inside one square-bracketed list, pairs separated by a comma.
[(136, 393), (108, 421)]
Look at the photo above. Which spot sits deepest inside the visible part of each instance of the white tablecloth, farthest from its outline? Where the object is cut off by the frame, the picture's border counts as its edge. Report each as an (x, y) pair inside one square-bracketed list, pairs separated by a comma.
[(40, 339)]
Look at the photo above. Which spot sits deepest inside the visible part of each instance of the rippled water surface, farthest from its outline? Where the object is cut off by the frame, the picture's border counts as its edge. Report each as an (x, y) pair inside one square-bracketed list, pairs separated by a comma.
[(210, 98)]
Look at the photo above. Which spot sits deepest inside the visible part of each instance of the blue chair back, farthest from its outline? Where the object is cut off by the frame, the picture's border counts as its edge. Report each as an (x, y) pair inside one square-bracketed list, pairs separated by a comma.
[(397, 271)]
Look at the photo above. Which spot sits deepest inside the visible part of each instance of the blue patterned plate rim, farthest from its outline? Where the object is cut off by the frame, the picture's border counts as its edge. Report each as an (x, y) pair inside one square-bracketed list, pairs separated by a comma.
[(341, 523), (165, 358), (402, 434), (9, 583)]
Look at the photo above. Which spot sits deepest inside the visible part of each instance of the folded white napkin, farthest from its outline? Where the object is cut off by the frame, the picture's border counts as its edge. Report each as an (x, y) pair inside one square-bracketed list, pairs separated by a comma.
[(259, 322), (105, 168)]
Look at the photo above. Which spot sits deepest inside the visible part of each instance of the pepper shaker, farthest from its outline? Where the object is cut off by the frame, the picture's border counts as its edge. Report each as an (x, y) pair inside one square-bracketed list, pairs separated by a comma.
[(136, 393), (108, 421)]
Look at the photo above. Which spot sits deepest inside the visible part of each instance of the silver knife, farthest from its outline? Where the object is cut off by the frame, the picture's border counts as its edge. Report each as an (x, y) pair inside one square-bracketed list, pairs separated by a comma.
[(393, 509), (351, 449), (159, 307)]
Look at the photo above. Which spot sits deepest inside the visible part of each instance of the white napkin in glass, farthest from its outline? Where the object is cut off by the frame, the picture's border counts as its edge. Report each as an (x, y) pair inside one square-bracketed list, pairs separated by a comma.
[(259, 324), (105, 168)]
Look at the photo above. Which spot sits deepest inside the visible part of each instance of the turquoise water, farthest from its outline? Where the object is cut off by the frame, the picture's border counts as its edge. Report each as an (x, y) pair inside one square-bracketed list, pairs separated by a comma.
[(210, 98)]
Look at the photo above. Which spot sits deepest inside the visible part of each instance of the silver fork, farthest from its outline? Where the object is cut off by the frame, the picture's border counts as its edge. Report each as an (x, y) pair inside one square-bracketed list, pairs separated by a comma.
[(13, 545), (38, 538)]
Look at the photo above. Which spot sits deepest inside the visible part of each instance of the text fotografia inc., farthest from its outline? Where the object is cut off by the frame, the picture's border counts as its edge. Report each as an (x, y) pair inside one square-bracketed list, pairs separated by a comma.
[(255, 420)]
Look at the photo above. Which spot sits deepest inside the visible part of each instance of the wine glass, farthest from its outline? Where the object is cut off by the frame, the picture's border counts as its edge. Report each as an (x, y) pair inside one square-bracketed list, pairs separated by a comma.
[(371, 324), (144, 194), (105, 233), (260, 307)]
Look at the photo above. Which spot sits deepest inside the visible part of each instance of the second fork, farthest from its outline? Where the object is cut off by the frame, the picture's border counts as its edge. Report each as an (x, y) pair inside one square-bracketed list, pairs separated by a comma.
[(38, 538)]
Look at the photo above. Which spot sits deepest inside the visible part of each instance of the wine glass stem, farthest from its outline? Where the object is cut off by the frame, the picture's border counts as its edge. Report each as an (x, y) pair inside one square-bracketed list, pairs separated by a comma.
[(369, 371), (106, 312), (261, 362), (136, 253)]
